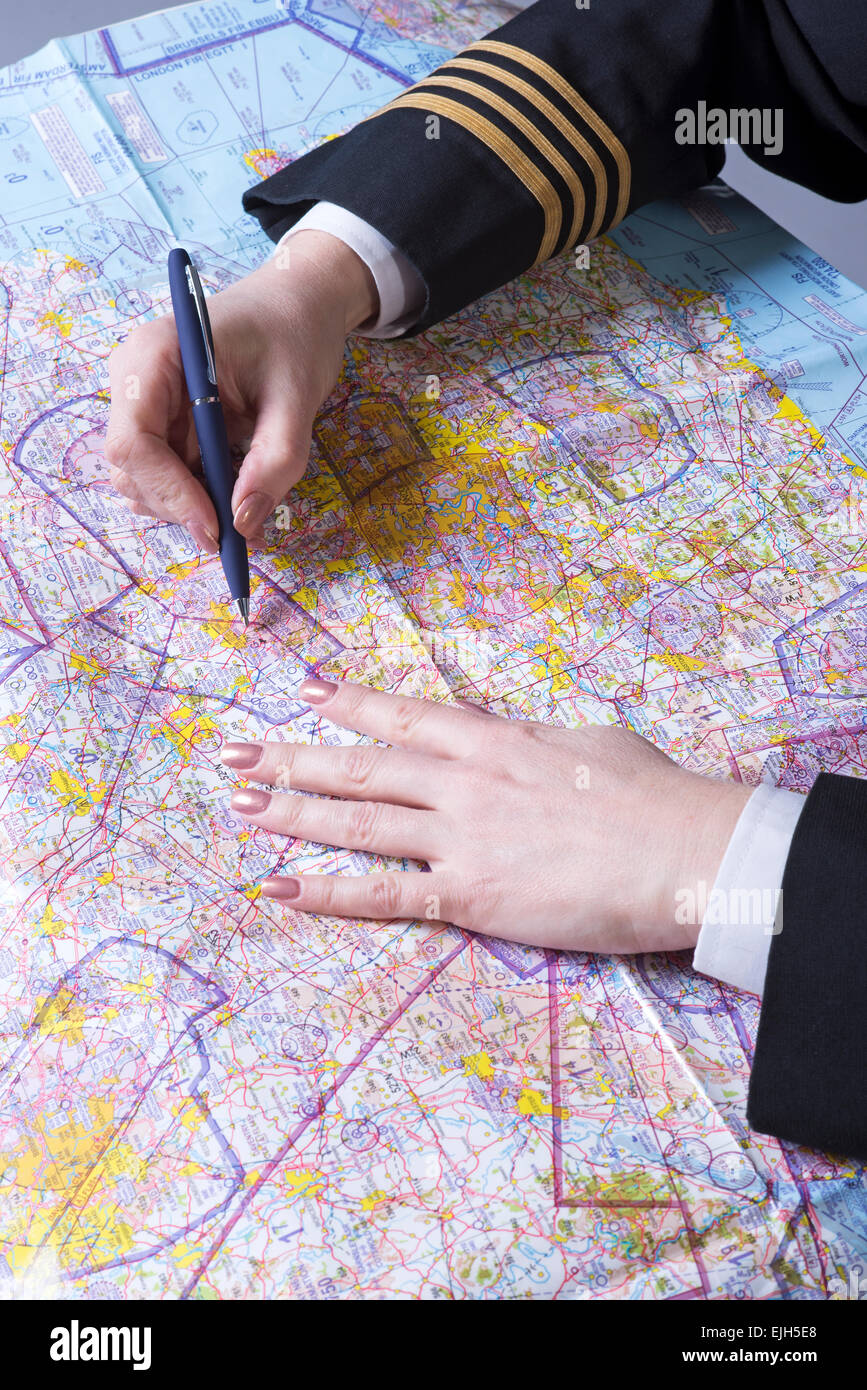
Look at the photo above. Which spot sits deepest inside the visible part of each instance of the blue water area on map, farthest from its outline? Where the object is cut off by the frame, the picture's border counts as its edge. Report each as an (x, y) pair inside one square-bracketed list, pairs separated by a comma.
[(797, 317)]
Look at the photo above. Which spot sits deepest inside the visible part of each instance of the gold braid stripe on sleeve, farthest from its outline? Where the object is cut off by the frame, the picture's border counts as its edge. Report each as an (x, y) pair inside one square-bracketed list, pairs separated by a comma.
[(520, 121), (569, 94), (555, 116), (506, 150)]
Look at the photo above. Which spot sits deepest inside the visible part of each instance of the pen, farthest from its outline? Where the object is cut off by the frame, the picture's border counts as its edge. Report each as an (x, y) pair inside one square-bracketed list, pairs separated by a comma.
[(197, 355)]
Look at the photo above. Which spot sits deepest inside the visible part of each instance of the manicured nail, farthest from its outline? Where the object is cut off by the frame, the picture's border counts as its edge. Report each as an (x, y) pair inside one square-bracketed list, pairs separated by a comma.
[(205, 539), (241, 755), (317, 691), (281, 887), (254, 512), (252, 803)]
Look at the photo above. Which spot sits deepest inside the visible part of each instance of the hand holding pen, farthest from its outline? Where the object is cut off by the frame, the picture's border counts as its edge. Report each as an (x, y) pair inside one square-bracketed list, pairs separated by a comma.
[(279, 334)]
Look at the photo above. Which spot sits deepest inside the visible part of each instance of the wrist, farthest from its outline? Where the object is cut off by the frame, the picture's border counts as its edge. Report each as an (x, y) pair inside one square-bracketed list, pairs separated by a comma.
[(706, 813), (321, 262)]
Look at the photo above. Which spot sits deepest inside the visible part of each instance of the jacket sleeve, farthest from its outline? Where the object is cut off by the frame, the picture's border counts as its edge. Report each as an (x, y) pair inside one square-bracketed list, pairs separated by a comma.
[(809, 1077), (550, 130)]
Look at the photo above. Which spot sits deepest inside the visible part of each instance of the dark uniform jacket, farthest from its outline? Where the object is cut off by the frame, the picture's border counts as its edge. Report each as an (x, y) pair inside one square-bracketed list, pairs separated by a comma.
[(551, 130)]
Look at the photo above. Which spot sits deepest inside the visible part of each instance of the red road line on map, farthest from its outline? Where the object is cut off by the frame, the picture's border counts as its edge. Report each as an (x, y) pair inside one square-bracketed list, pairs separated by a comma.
[(327, 1096)]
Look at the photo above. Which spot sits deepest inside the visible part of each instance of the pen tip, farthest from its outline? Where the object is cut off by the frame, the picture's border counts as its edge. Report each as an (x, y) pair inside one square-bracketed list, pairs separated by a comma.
[(243, 606)]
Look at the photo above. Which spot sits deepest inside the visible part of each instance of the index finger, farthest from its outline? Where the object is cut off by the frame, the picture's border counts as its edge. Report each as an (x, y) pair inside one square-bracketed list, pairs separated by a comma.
[(424, 725), (146, 397)]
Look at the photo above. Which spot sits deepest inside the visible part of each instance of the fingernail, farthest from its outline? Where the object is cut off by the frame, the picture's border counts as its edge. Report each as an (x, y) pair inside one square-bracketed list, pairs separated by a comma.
[(254, 511), (281, 887), (251, 802), (204, 538), (316, 691), (241, 755)]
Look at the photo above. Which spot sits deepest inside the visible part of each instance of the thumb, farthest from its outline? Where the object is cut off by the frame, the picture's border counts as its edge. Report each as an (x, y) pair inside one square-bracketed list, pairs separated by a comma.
[(276, 460)]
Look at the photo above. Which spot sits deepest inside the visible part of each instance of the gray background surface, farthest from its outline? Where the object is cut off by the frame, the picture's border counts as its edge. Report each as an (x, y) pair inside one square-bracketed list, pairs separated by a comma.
[(838, 231)]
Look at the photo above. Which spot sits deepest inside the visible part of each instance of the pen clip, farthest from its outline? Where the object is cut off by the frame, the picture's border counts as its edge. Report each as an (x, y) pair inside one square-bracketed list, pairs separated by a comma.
[(195, 285)]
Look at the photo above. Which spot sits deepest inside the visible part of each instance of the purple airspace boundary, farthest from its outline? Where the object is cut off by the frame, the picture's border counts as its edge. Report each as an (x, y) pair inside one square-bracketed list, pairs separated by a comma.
[(349, 49), (189, 1032)]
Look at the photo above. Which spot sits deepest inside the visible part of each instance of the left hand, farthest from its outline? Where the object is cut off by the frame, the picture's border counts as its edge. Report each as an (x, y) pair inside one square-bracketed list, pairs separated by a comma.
[(577, 839)]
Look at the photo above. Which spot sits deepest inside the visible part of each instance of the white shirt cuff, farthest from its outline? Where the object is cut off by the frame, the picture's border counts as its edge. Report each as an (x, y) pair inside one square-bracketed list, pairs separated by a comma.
[(400, 287), (744, 908)]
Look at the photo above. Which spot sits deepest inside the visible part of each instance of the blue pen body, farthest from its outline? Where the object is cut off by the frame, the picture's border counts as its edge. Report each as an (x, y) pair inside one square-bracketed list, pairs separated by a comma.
[(197, 355)]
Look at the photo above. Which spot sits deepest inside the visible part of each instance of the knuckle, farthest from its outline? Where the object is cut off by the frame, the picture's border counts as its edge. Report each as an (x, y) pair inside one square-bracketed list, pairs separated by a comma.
[(385, 894), (364, 822), (359, 767), (529, 731), (488, 749), (488, 728), (116, 449), (475, 897), (123, 483), (491, 769), (172, 495), (407, 717)]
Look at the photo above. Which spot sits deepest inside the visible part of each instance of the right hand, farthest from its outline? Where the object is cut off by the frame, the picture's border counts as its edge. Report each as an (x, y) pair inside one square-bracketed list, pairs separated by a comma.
[(279, 335)]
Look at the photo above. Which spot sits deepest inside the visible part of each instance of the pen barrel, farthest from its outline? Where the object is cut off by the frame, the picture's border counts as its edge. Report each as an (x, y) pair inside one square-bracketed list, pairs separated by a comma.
[(220, 478), (194, 337)]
